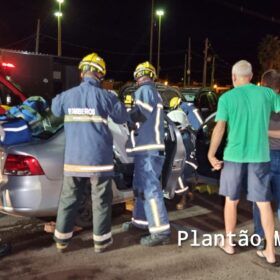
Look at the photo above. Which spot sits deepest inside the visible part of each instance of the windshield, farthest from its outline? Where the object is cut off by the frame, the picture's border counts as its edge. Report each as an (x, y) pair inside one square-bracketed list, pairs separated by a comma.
[(190, 94)]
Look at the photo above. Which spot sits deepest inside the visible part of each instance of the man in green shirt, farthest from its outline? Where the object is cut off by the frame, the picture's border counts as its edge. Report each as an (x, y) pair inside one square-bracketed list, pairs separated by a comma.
[(245, 111)]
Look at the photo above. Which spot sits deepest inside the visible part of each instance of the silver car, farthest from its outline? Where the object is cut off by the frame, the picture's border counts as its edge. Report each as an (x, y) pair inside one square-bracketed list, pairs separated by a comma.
[(32, 173)]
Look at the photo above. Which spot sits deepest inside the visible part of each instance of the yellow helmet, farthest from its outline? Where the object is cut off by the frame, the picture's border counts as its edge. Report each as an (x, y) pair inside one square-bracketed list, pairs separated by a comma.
[(145, 69), (93, 63), (174, 102)]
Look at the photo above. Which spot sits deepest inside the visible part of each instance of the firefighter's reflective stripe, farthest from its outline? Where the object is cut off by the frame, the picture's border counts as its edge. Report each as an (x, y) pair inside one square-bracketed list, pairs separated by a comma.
[(140, 222), (84, 118), (197, 114), (63, 236), (155, 212), (146, 106), (157, 133), (157, 130), (159, 229), (100, 238), (85, 168), (146, 147), (132, 137), (181, 185)]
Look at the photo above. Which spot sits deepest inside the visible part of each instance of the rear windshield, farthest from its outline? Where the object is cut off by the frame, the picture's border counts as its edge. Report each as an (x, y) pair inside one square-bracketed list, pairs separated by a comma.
[(189, 97)]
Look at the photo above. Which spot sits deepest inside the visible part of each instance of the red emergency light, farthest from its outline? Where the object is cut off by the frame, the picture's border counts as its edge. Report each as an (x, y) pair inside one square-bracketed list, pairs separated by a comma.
[(8, 65)]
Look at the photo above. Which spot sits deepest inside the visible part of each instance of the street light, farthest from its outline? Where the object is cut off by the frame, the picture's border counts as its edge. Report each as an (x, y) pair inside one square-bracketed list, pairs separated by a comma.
[(58, 14), (151, 33), (159, 13)]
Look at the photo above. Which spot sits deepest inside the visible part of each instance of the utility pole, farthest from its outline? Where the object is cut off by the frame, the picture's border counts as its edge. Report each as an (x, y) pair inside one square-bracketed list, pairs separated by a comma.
[(213, 71), (159, 13), (187, 69), (37, 36), (59, 16), (205, 63), (151, 33), (189, 62)]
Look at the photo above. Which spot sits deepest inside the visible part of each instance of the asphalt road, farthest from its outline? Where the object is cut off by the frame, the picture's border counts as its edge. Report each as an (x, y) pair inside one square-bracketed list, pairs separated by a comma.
[(34, 254)]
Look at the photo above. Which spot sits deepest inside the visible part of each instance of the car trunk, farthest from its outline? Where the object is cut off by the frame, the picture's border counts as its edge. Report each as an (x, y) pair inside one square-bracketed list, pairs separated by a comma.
[(42, 151)]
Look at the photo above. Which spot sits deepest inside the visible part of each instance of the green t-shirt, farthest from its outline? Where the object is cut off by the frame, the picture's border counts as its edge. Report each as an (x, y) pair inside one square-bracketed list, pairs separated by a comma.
[(246, 109)]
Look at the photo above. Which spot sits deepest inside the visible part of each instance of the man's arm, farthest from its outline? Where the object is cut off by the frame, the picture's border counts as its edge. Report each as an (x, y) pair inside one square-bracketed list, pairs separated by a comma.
[(141, 106), (116, 110), (274, 133), (216, 140), (57, 106)]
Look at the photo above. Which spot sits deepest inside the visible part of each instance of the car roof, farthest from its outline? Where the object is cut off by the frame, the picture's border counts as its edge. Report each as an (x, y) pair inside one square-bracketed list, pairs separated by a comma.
[(195, 90)]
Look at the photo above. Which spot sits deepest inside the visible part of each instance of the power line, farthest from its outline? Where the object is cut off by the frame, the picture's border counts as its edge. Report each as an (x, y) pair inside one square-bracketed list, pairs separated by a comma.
[(20, 41), (249, 12), (180, 51)]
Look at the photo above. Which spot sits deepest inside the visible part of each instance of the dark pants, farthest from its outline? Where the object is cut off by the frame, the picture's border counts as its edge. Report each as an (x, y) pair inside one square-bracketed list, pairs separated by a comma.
[(149, 208), (275, 185), (101, 194)]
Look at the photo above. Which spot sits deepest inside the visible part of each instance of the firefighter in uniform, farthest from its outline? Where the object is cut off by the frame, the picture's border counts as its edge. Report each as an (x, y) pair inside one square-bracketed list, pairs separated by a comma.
[(193, 114), (147, 146), (88, 152)]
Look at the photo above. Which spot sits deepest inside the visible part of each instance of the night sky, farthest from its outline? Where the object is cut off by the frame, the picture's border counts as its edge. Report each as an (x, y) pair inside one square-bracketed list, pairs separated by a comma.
[(120, 32)]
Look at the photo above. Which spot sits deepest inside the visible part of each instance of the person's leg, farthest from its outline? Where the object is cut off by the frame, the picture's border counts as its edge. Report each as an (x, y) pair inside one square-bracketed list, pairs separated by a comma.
[(67, 210), (259, 190), (267, 220), (275, 178), (139, 219), (230, 218), (276, 195), (102, 195), (257, 221), (258, 229), (232, 182), (154, 206), (138, 216)]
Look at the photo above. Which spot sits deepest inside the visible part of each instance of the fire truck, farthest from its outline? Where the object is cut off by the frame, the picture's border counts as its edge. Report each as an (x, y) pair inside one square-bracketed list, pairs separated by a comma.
[(24, 74)]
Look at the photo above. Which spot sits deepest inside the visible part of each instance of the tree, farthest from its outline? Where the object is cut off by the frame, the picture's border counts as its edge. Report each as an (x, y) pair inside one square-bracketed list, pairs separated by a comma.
[(269, 52)]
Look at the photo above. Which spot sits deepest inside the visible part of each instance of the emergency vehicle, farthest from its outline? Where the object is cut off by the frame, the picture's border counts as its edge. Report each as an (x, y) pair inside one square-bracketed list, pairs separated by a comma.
[(24, 74)]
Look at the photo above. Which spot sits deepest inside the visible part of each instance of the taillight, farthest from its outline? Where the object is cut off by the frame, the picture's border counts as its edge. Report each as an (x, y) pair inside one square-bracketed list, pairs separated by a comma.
[(20, 165)]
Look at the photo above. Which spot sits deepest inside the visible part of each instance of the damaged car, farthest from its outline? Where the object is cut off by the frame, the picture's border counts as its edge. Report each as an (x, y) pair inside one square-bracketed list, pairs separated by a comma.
[(32, 173)]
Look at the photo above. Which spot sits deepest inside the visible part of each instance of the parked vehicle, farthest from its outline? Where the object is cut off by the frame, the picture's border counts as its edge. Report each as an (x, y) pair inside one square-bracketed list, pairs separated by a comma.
[(10, 93), (166, 92), (204, 99), (26, 74), (204, 170)]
